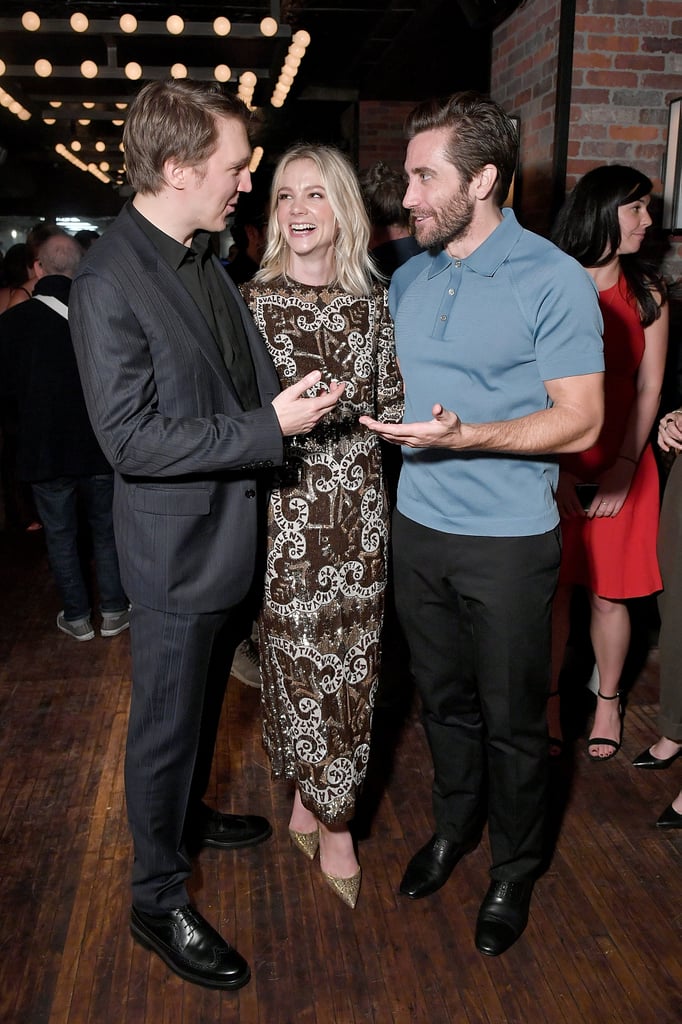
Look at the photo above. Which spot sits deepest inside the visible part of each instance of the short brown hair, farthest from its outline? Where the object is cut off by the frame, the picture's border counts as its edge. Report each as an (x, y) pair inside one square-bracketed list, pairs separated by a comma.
[(383, 189), (176, 119), (480, 133)]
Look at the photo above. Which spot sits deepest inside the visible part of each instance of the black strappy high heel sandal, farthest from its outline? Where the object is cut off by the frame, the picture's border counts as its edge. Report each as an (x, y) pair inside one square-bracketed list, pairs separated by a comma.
[(595, 741)]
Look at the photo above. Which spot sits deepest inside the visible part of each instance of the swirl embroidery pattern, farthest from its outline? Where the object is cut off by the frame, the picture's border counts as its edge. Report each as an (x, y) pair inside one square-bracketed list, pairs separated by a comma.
[(320, 624)]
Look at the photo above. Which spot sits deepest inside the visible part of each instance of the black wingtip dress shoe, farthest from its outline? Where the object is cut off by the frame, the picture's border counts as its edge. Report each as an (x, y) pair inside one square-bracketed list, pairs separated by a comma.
[(648, 760), (670, 818), (192, 949), (431, 866), (503, 916), (232, 831)]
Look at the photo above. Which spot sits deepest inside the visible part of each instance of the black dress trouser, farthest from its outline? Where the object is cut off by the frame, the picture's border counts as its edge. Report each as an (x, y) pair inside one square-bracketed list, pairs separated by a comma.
[(476, 613)]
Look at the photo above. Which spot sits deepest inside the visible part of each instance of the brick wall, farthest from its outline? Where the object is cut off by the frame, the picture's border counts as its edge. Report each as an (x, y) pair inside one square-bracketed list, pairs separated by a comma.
[(380, 132), (627, 66), (523, 81)]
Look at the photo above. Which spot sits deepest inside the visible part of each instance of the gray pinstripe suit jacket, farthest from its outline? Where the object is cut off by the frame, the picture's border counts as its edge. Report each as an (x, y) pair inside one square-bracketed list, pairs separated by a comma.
[(165, 411)]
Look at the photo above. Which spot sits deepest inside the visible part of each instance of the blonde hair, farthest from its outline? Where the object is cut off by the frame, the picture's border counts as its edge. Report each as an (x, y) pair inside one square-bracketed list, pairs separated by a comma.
[(354, 266)]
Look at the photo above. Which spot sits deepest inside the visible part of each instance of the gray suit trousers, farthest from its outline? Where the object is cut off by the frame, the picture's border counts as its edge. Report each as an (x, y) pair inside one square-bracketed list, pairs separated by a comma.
[(181, 664)]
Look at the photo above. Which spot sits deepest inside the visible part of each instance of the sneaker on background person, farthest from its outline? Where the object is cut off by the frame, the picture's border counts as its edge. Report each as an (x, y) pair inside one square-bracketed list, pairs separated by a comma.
[(246, 663), (114, 623), (79, 629)]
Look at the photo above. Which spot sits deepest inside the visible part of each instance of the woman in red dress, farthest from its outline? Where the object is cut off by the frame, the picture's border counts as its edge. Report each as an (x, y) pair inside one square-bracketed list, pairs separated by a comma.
[(609, 528)]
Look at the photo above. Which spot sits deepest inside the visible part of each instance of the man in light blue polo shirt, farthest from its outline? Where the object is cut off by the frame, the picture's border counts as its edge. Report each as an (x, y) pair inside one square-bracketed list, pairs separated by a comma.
[(498, 324)]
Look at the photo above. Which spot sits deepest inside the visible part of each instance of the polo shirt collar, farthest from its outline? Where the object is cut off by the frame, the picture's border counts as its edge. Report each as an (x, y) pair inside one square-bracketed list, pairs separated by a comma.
[(490, 254)]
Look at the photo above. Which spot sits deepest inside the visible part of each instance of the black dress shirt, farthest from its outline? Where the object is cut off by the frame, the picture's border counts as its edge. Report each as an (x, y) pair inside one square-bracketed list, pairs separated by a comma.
[(202, 276)]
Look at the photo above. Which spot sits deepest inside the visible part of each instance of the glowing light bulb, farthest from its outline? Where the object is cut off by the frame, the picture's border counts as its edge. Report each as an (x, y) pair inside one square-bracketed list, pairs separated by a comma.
[(178, 71), (128, 23), (248, 79), (3, 67), (88, 105), (175, 25), (84, 120), (49, 120), (269, 26), (100, 146), (222, 26), (133, 70), (42, 68), (79, 22), (56, 104), (30, 21), (302, 38), (76, 146), (89, 69), (222, 73)]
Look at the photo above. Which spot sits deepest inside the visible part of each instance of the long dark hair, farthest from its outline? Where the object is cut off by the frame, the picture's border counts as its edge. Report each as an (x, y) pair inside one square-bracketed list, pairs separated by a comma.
[(587, 228)]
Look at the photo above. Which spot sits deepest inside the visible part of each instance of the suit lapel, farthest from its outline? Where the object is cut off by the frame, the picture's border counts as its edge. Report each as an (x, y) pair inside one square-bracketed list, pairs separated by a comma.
[(172, 290)]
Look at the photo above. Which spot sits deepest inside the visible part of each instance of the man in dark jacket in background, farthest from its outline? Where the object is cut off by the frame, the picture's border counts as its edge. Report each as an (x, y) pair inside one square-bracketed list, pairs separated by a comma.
[(57, 452)]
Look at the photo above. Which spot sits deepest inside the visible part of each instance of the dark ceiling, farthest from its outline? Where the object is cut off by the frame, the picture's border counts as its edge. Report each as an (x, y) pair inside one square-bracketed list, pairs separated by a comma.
[(378, 50)]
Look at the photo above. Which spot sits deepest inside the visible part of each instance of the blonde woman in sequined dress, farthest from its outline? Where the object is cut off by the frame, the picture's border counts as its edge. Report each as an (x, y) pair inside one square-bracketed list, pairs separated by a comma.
[(318, 306)]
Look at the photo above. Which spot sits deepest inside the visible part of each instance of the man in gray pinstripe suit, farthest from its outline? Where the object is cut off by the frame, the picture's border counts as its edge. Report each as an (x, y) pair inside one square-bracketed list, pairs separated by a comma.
[(187, 407)]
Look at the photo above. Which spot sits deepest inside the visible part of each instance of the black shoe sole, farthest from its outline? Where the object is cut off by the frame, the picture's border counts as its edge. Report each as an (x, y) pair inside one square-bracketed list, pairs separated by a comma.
[(196, 977)]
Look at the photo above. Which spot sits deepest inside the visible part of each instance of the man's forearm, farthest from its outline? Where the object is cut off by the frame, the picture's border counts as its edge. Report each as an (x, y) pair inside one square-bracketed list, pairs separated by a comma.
[(554, 430)]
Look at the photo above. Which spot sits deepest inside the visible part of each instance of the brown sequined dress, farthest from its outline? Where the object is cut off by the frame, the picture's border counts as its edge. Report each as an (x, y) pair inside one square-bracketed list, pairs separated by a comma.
[(322, 612)]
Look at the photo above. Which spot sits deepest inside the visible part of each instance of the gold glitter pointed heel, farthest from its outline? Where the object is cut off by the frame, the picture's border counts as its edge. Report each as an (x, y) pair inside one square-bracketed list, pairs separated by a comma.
[(306, 842), (346, 889)]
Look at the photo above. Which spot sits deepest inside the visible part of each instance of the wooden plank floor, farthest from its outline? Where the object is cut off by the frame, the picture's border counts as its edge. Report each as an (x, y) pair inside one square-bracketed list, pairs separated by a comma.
[(603, 943)]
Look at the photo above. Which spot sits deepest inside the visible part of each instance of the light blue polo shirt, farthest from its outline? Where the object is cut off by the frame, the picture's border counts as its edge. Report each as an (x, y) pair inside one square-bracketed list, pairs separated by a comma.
[(480, 336)]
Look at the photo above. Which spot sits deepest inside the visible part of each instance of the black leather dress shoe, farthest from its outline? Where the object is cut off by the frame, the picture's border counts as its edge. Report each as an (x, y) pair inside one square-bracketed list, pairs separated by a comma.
[(503, 916), (670, 818), (232, 831), (190, 947), (431, 866), (647, 760)]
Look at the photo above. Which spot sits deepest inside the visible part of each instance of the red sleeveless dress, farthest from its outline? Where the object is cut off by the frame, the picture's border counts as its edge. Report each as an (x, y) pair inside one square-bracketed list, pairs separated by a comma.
[(616, 557)]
